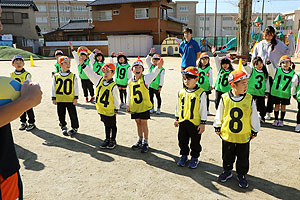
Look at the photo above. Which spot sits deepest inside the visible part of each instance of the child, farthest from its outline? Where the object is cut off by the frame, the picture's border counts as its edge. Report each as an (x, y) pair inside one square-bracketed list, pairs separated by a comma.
[(123, 74), (97, 61), (86, 84), (107, 100), (21, 75), (191, 114), (205, 76), (65, 96), (258, 84), (236, 122), (296, 96), (281, 88), (156, 85), (224, 68), (58, 53), (138, 101)]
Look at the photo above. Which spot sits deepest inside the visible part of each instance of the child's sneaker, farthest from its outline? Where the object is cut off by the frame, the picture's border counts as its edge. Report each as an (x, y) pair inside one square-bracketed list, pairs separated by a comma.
[(193, 163), (268, 116), (152, 111), (121, 105), (182, 160), (145, 148), (23, 126), (64, 131), (158, 111), (92, 100), (225, 176), (137, 145), (242, 181), (104, 144), (280, 123), (30, 127), (112, 144), (86, 99), (275, 123), (297, 128), (262, 120), (72, 131)]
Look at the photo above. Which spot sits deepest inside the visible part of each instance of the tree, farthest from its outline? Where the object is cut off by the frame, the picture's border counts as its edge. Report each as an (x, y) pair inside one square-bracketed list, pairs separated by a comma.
[(244, 25)]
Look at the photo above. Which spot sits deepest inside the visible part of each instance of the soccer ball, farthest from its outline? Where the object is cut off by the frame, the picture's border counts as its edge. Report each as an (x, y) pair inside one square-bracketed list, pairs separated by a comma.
[(10, 90)]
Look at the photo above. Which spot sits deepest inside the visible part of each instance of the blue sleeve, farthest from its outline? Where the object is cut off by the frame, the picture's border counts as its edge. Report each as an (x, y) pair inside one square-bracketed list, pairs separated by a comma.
[(180, 48), (197, 47)]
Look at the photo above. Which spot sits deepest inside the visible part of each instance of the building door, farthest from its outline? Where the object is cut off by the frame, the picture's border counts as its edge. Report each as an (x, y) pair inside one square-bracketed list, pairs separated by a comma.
[(170, 51)]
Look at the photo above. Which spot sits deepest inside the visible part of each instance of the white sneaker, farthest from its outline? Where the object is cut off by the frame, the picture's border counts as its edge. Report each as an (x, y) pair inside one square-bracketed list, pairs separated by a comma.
[(124, 105), (158, 111), (297, 129), (268, 116), (280, 123), (275, 123), (152, 111)]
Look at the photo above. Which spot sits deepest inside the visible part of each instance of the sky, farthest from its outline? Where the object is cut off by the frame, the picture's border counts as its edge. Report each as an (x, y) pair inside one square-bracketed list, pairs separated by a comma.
[(230, 6)]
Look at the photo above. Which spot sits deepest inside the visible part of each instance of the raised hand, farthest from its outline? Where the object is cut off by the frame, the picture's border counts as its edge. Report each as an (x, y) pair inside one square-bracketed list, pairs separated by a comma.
[(160, 63)]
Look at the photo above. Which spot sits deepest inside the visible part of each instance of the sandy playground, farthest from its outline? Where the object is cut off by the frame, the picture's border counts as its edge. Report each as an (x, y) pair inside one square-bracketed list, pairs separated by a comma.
[(55, 167)]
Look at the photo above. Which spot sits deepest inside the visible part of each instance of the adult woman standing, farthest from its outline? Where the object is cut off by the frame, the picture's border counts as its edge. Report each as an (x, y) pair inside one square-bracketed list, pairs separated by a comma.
[(271, 50)]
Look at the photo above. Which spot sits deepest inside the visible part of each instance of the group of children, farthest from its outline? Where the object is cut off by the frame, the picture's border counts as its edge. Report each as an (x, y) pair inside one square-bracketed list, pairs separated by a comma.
[(238, 97)]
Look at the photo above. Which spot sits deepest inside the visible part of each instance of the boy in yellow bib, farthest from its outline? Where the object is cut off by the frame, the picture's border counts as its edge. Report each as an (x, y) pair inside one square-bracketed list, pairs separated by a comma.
[(236, 122), (191, 115), (138, 100), (21, 75), (65, 96), (107, 100)]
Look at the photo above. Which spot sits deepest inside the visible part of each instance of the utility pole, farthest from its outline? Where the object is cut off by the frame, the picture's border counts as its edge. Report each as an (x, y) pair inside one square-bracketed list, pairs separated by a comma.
[(57, 9), (215, 32), (204, 19), (262, 14)]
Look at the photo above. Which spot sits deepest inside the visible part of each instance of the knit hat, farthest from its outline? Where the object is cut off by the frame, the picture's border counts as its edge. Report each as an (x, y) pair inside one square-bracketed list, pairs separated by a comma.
[(190, 71), (285, 58), (58, 52), (108, 66), (237, 75), (204, 55), (63, 59), (17, 57)]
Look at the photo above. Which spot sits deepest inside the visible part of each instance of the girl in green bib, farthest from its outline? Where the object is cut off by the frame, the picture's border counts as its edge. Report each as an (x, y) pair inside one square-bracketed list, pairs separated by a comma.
[(224, 67), (123, 74), (58, 53), (97, 61), (258, 85), (281, 88), (205, 76), (156, 85)]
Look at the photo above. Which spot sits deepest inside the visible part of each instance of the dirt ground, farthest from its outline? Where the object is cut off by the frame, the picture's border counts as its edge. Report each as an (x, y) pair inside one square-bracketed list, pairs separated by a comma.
[(57, 167)]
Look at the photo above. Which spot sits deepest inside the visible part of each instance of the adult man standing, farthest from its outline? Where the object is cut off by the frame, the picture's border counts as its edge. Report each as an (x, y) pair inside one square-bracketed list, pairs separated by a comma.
[(189, 50), (10, 181)]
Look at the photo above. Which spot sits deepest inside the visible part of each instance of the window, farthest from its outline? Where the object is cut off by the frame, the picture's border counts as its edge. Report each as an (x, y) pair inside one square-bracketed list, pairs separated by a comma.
[(227, 28), (184, 19), (64, 19), (53, 19), (201, 28), (42, 8), (184, 9), (52, 8), (105, 15), (141, 13), (202, 18), (227, 18), (41, 19), (80, 18), (269, 18), (24, 15), (116, 12), (64, 8), (171, 10), (163, 14), (80, 9), (235, 28), (7, 18)]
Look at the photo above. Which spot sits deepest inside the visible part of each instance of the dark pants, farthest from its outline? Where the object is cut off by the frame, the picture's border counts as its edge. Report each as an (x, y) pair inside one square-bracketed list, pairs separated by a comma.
[(218, 98), (187, 130), (123, 94), (61, 111), (207, 99), (87, 85), (157, 94), (110, 124), (260, 104), (270, 104), (232, 150), (298, 114), (30, 115)]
